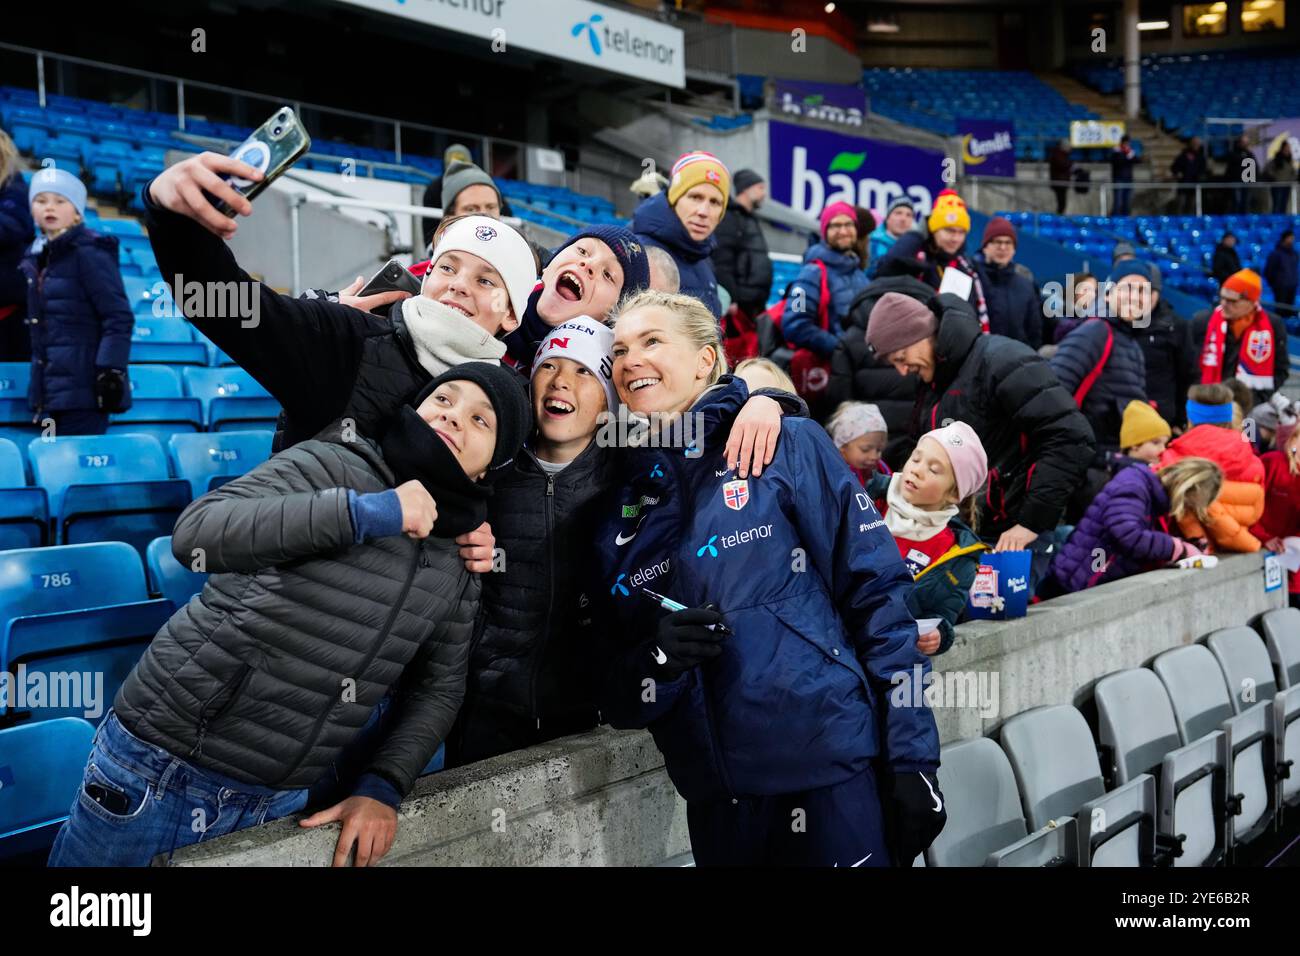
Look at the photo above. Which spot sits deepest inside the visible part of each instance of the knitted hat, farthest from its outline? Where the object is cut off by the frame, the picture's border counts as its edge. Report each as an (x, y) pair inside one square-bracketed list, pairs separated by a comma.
[(837, 209), (970, 465), (695, 168), (505, 391), (745, 178), (501, 247), (460, 176), (949, 211), (1122, 249), (628, 250), (1265, 415), (1130, 267), (900, 203), (998, 228), (60, 182), (587, 342), (1141, 423), (456, 153), (897, 321), (1246, 282), (854, 420)]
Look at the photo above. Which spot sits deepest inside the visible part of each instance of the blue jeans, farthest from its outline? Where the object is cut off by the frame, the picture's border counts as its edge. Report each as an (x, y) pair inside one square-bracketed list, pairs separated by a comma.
[(155, 803)]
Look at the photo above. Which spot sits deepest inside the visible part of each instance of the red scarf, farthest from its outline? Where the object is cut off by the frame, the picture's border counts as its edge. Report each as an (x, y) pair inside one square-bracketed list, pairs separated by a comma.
[(1254, 355)]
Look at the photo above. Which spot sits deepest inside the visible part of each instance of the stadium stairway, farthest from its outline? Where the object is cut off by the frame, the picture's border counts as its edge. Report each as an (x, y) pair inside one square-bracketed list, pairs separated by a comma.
[(1158, 147)]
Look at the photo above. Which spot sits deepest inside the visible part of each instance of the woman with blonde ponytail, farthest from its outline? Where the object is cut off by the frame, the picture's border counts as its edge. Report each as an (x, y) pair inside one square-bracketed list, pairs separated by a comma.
[(16, 233)]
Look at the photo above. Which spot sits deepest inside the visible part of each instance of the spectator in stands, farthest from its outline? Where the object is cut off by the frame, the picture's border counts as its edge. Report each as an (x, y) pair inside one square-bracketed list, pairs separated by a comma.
[(1122, 160), (1015, 309), (461, 191), (796, 732), (866, 225), (924, 506), (682, 221), (16, 233), (1242, 400), (764, 373), (1226, 261), (664, 276), (1060, 170), (1143, 436), (1131, 526), (1170, 355), (1263, 422), (810, 323), (1237, 165), (1038, 442), (1084, 308), (1101, 363), (740, 260), (859, 432), (1281, 169), (455, 153), (1238, 337), (1281, 270), (928, 257), (78, 313), (859, 374), (1188, 169), (899, 220), (1124, 250), (1281, 517), (1240, 502), (236, 707)]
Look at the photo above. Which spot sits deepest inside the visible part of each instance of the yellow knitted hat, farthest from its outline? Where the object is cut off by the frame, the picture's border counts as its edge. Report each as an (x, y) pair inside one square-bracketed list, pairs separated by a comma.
[(949, 210), (1141, 424), (695, 168)]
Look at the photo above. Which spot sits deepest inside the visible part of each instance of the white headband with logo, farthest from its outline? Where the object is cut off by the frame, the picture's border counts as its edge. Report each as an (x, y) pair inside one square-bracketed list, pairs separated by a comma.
[(587, 342)]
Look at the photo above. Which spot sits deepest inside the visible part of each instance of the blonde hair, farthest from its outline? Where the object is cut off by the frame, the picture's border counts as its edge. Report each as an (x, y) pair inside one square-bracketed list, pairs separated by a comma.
[(784, 381), (693, 320), (10, 162), (1192, 484)]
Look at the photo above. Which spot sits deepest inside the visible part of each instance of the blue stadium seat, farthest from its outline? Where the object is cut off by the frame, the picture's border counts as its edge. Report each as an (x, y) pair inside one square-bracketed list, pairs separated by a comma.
[(24, 511), (41, 769), (108, 488), (155, 381), (15, 415), (164, 341), (168, 577), (209, 460), (232, 398)]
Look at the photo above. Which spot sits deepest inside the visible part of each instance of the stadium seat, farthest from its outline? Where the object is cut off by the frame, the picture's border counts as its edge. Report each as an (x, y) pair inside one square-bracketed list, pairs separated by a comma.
[(165, 341), (984, 813), (41, 769), (1199, 694), (1056, 844), (1138, 735), (232, 399), (108, 488), (1282, 637), (155, 381), (209, 460), (15, 415), (1055, 763), (168, 577), (24, 511)]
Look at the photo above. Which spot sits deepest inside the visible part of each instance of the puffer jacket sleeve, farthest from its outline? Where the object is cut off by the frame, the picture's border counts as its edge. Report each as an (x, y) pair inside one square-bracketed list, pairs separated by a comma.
[(1239, 505), (431, 696), (274, 514), (102, 280), (869, 584), (1126, 518), (800, 324)]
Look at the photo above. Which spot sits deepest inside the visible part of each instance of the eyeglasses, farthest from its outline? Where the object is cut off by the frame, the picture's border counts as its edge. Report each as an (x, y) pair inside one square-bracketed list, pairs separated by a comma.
[(840, 225)]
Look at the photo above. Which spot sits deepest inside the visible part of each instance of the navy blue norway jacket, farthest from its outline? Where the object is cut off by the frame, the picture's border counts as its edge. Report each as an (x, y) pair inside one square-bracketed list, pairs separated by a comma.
[(16, 233), (656, 223), (810, 582), (844, 279), (80, 319), (1122, 380)]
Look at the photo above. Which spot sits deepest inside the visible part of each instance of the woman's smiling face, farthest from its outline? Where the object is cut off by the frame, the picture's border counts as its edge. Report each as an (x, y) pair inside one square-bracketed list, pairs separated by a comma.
[(657, 369), (584, 278)]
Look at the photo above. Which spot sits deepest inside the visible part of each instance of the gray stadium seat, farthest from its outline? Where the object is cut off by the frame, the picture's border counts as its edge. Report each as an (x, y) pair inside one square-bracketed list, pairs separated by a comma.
[(1282, 638), (1198, 691), (1055, 762), (1056, 844), (1246, 667), (1138, 733), (984, 811)]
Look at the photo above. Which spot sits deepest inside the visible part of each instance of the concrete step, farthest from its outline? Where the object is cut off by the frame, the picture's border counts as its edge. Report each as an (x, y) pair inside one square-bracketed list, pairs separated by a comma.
[(1158, 146)]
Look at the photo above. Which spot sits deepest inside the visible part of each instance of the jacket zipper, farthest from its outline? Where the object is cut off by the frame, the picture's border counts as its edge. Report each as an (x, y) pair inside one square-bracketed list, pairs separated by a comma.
[(237, 683), (550, 602), (416, 557)]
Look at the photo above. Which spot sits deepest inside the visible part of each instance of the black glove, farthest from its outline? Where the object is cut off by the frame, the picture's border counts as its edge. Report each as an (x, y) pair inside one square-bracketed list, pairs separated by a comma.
[(110, 389), (685, 641), (914, 813)]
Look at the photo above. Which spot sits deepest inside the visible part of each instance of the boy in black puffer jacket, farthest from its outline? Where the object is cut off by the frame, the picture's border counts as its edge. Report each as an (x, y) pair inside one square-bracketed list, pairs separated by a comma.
[(335, 580)]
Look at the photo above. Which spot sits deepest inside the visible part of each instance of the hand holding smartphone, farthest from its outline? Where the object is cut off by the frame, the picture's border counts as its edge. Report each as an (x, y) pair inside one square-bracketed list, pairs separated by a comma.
[(271, 149)]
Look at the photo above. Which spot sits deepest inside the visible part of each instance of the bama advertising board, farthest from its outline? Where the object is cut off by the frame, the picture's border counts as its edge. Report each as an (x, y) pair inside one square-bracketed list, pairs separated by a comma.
[(575, 30), (811, 167)]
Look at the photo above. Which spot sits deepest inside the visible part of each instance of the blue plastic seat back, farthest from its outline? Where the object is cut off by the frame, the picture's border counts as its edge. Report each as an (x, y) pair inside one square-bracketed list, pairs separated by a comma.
[(149, 329), (41, 769), (93, 460), (155, 381), (224, 382), (168, 577), (13, 472), (69, 577), (200, 458)]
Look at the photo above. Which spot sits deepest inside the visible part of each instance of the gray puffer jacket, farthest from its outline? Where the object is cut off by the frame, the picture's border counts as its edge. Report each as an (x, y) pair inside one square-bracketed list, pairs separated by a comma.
[(268, 672)]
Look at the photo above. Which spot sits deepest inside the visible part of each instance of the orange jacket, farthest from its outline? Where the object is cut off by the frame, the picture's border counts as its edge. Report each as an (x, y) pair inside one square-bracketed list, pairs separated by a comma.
[(1241, 499)]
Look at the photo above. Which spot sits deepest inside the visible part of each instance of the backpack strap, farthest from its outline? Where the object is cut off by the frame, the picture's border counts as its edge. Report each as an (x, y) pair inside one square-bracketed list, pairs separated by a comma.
[(1090, 379), (824, 303)]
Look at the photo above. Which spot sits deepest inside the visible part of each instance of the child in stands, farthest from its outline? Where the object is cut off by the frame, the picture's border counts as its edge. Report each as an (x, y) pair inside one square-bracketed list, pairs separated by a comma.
[(764, 373), (860, 433)]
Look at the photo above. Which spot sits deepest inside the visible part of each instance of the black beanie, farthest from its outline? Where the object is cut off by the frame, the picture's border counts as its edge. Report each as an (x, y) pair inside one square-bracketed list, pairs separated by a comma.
[(744, 179), (508, 394)]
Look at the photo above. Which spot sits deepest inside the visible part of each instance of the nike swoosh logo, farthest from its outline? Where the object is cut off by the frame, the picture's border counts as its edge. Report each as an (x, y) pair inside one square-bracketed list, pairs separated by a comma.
[(620, 540), (863, 860), (938, 804), (660, 657)]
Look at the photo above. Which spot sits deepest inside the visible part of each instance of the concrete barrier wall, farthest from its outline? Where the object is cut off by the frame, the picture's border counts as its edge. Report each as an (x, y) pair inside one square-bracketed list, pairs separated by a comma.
[(603, 798)]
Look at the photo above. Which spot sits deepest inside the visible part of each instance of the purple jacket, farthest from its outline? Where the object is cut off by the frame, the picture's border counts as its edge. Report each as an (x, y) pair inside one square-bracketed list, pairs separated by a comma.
[(1123, 521)]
